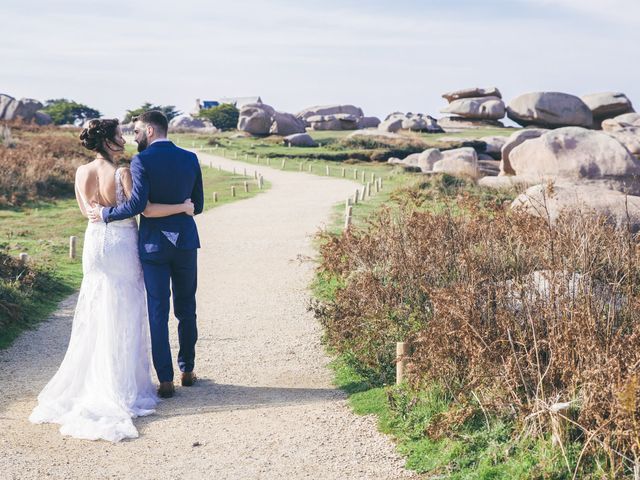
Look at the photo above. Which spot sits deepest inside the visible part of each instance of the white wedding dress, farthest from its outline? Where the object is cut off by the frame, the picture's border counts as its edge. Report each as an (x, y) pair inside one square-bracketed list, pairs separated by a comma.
[(105, 378)]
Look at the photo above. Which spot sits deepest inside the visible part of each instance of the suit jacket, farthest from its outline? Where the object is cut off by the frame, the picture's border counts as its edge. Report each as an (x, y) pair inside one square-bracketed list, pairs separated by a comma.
[(163, 173)]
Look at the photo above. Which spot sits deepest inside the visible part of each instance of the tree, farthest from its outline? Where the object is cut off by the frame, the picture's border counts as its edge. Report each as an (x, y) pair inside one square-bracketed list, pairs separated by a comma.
[(224, 117), (63, 111), (169, 110)]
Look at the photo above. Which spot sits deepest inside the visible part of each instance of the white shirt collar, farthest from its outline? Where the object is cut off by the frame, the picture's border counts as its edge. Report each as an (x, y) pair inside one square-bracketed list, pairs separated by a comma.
[(160, 140)]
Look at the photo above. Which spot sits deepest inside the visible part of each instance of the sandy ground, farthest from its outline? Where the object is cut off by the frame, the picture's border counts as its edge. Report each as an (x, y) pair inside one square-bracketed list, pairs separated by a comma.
[(265, 407)]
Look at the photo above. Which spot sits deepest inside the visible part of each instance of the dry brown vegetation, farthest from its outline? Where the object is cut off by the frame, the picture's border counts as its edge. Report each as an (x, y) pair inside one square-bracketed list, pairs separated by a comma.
[(530, 321), (38, 163)]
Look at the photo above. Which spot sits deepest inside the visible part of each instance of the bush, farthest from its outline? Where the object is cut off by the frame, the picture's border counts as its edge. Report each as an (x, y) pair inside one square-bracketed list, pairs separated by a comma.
[(63, 111), (501, 309), (224, 117), (39, 166)]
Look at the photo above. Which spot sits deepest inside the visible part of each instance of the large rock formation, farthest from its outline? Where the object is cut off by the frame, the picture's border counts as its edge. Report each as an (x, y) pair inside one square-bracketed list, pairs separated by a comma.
[(549, 110), (494, 146), (459, 161), (368, 122), (330, 110), (391, 125), (336, 117), (300, 140), (629, 137), (577, 154), (186, 122), (621, 121), (481, 108), (338, 121), (473, 108), (512, 142), (607, 105), (262, 119), (415, 122), (24, 109), (454, 124), (286, 124), (472, 92), (256, 118), (549, 201)]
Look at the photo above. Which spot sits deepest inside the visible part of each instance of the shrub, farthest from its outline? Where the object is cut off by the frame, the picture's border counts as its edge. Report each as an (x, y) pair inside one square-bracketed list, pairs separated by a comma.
[(224, 117), (63, 111), (40, 166), (500, 308)]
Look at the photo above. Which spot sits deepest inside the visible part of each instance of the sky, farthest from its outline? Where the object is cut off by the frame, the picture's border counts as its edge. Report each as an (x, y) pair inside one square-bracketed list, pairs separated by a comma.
[(381, 55)]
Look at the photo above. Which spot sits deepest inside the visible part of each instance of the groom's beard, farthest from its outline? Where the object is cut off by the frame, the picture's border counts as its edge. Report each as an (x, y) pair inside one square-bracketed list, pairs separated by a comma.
[(143, 143)]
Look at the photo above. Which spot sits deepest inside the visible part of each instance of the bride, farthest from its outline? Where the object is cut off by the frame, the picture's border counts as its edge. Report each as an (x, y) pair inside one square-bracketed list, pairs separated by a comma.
[(105, 379)]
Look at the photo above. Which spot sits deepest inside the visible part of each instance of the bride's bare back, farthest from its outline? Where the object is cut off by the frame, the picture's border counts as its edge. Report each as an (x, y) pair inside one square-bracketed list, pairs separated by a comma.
[(96, 184)]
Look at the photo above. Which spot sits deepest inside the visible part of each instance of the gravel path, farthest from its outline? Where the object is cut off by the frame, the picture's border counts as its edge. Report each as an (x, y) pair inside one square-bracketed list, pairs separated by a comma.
[(264, 408)]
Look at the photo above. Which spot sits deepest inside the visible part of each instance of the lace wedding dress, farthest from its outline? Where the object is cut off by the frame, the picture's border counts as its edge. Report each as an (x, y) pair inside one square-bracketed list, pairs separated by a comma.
[(105, 378)]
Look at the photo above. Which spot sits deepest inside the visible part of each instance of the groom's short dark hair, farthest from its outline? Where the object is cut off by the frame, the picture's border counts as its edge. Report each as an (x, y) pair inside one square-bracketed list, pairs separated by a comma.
[(155, 118)]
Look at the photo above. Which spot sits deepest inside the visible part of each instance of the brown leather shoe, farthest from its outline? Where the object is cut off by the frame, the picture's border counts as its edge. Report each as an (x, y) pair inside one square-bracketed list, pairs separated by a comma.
[(166, 390), (188, 379)]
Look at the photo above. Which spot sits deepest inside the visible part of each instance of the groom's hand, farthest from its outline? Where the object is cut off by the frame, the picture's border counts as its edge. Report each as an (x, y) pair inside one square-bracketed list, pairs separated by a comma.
[(189, 207), (95, 213)]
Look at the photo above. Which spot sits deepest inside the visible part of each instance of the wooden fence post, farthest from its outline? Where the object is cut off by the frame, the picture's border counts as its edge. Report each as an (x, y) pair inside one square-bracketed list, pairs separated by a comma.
[(355, 173), (347, 218), (260, 182), (233, 191), (284, 163), (327, 171), (72, 246), (24, 258), (343, 172), (356, 197), (246, 187), (402, 350), (215, 197)]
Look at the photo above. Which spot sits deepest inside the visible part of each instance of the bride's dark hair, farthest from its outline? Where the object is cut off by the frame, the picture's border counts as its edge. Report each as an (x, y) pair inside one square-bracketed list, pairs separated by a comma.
[(97, 135)]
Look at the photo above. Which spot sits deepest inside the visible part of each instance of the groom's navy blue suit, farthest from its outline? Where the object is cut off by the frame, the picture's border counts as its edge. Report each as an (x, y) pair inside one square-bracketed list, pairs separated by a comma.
[(164, 173)]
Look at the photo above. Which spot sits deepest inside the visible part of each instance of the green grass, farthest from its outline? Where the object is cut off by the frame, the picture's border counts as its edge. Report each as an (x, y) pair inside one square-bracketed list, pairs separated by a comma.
[(476, 448), (42, 230)]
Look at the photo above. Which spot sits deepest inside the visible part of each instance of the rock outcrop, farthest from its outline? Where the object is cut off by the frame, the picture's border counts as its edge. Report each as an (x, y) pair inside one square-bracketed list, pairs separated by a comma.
[(607, 105), (286, 124), (479, 108), (300, 140), (415, 122), (459, 162), (472, 92), (262, 119), (550, 201), (577, 154), (512, 142), (473, 108), (549, 110), (26, 110)]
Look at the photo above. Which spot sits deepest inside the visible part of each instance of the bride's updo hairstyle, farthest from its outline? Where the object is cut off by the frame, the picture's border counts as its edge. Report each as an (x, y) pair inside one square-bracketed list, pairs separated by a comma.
[(99, 135)]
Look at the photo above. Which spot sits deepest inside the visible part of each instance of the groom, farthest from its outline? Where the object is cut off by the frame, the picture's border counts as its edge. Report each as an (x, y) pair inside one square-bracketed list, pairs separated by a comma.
[(164, 173)]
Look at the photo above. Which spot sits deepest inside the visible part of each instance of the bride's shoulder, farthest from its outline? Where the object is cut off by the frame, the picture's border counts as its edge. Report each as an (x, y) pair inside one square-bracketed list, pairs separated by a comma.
[(125, 172), (82, 172), (125, 179)]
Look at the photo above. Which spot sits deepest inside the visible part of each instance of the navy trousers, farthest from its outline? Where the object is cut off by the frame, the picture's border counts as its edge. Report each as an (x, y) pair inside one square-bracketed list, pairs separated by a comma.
[(175, 268)]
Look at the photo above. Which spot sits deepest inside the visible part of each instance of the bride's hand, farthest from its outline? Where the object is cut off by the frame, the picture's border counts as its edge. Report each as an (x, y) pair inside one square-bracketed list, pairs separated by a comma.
[(188, 207)]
